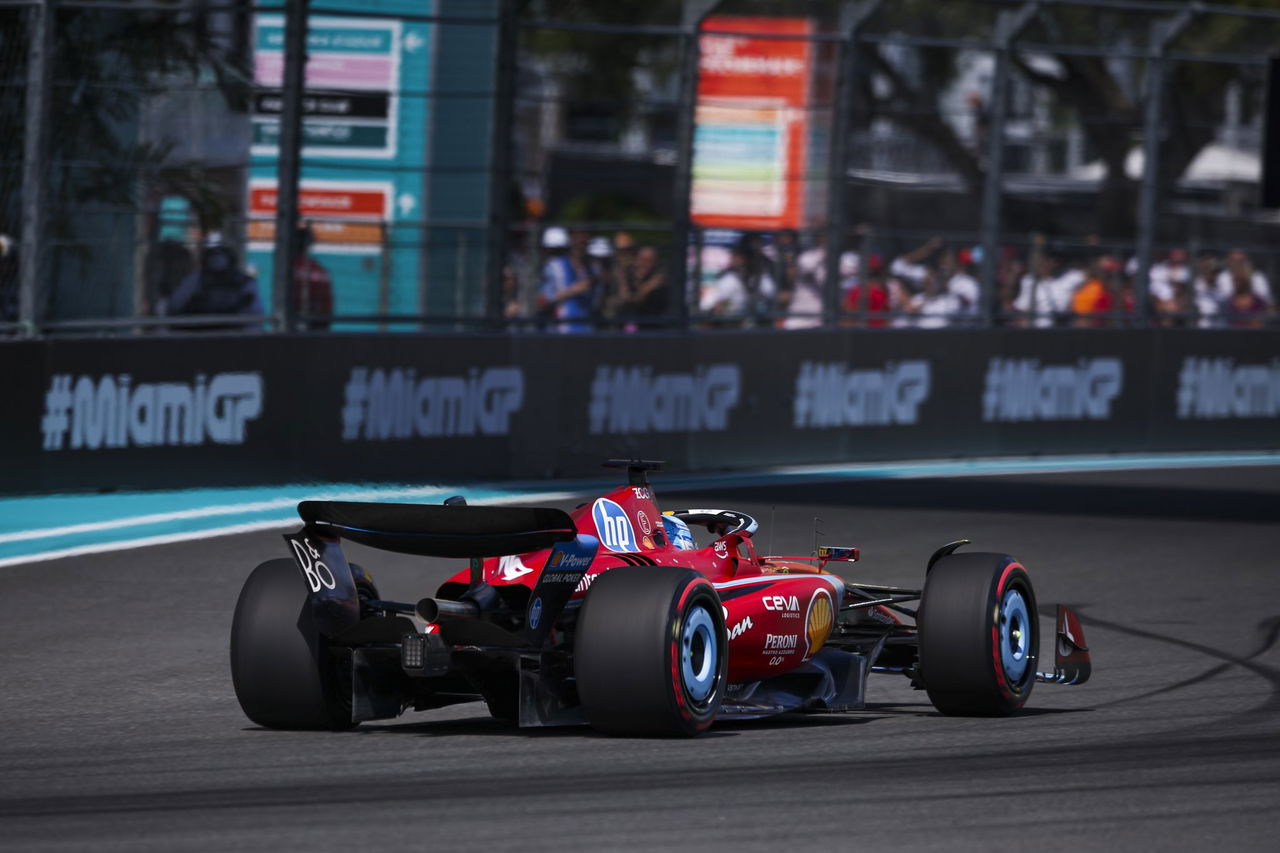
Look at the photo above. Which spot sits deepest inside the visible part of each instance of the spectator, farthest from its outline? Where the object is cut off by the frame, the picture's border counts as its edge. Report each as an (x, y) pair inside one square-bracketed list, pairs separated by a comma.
[(743, 287), (219, 286), (784, 255), (1010, 268), (1240, 268), (911, 268), (762, 287), (599, 263), (1186, 308), (644, 302), (565, 291), (955, 266), (933, 307), (624, 249), (1045, 296), (1207, 304), (875, 306), (811, 265), (1165, 278), (311, 289), (804, 303), (621, 277), (1104, 290), (727, 295), (579, 240), (1244, 308)]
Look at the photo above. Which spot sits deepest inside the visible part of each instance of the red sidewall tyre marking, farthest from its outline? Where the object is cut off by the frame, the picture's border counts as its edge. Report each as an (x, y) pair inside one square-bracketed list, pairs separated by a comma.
[(1001, 680), (677, 623)]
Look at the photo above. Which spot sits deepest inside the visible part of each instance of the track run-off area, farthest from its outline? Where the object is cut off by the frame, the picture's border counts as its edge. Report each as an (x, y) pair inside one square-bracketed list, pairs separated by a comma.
[(123, 732)]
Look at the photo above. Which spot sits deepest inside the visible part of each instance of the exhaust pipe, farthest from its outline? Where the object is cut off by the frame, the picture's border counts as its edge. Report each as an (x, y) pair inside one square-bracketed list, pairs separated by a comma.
[(431, 609)]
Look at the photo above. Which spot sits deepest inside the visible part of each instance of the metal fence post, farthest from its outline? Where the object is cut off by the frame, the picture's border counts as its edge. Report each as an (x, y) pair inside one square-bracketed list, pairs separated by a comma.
[(1163, 32), (692, 15), (852, 19), (500, 151), (1008, 26), (35, 163), (289, 165)]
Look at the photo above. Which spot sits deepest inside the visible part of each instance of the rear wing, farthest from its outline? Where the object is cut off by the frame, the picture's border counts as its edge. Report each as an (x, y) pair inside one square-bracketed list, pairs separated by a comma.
[(440, 531)]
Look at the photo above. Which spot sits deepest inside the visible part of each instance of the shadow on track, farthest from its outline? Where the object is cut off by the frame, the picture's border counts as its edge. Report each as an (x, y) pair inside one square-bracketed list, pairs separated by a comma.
[(489, 727), (998, 494), (1268, 628)]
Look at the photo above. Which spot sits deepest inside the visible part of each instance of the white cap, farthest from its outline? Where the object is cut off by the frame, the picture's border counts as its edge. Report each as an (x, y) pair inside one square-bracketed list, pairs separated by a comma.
[(555, 237), (600, 247)]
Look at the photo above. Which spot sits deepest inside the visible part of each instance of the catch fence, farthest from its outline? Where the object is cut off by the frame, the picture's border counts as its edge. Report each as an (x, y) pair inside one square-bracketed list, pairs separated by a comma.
[(712, 165)]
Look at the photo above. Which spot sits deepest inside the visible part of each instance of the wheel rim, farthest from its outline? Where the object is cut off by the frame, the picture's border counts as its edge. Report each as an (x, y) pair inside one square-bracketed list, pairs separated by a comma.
[(1015, 635), (699, 665)]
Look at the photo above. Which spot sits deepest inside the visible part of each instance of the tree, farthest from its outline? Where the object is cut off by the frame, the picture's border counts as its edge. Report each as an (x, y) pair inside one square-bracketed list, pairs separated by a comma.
[(105, 65), (1104, 93)]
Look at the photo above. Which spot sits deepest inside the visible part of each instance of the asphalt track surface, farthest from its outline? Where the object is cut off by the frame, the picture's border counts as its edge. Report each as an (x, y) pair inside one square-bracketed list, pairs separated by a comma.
[(121, 731)]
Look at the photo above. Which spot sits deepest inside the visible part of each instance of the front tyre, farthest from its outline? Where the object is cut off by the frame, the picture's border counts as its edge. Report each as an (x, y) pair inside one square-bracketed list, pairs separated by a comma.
[(651, 652), (979, 635), (285, 675)]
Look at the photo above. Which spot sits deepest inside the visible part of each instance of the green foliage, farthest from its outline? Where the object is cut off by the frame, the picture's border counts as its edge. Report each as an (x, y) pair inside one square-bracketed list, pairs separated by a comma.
[(106, 63), (612, 207), (601, 65)]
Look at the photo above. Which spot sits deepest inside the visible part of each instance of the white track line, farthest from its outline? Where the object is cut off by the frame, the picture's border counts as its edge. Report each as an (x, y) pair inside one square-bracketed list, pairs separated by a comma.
[(247, 527), (989, 467), (166, 539), (222, 509)]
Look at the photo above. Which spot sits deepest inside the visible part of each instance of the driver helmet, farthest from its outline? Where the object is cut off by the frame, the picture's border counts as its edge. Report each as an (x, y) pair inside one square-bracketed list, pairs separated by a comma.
[(678, 533)]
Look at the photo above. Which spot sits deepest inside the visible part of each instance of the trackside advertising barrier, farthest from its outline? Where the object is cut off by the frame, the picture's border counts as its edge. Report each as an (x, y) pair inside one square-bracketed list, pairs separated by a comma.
[(187, 411)]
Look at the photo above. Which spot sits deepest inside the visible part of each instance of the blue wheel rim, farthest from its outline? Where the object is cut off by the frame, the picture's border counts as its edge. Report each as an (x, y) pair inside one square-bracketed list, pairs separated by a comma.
[(1015, 635), (699, 657)]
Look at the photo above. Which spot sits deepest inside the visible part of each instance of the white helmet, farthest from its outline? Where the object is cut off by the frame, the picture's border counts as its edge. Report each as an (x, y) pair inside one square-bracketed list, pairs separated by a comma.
[(678, 533)]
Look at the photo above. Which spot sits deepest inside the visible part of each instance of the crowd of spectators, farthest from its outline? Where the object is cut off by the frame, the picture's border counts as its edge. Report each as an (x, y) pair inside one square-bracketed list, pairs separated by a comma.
[(587, 282), (582, 281)]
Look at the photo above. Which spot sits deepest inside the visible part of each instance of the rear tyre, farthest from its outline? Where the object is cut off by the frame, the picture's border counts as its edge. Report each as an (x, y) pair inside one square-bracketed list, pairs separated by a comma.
[(285, 675), (979, 635), (366, 590), (651, 652)]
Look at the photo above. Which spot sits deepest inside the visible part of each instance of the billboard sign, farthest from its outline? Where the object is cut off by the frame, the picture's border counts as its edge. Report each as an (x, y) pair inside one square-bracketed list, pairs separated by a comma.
[(752, 123), (345, 216), (353, 84), (365, 122)]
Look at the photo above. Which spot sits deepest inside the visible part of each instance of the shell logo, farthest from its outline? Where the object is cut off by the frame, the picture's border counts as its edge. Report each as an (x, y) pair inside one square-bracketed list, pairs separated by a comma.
[(819, 620)]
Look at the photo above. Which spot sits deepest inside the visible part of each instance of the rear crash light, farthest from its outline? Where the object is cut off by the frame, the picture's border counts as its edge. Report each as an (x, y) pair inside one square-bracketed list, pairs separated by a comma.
[(424, 655), (413, 652)]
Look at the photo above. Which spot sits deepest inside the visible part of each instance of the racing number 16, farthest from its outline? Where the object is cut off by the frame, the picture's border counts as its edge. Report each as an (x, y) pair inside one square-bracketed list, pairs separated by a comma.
[(317, 572)]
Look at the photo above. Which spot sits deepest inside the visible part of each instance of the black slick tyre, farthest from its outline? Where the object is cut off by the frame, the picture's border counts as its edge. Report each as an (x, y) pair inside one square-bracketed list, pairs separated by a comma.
[(284, 673), (979, 635), (651, 653)]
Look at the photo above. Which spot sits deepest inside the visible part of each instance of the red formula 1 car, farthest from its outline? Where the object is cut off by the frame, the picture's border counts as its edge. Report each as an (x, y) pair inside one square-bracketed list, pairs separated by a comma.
[(612, 615)]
